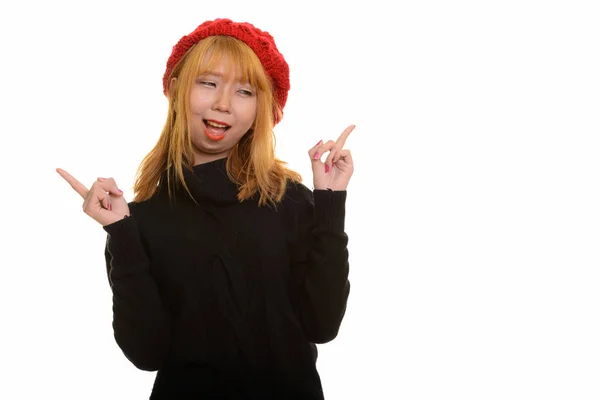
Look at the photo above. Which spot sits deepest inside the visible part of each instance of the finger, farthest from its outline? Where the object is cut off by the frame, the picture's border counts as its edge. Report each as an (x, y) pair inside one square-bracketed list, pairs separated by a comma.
[(317, 145), (97, 199), (322, 149), (110, 186), (105, 203), (313, 150), (98, 206), (342, 139), (75, 184), (341, 155), (329, 161), (104, 197)]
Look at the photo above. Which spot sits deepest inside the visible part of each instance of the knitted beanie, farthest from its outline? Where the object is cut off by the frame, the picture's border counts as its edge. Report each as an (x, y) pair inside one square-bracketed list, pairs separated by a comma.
[(262, 43)]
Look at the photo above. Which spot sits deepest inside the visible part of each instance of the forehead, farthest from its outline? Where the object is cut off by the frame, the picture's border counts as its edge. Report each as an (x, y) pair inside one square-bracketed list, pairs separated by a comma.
[(225, 65), (220, 70)]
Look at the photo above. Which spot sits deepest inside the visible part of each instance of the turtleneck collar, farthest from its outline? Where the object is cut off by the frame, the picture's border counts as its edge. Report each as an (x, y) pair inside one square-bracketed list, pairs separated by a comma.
[(209, 182)]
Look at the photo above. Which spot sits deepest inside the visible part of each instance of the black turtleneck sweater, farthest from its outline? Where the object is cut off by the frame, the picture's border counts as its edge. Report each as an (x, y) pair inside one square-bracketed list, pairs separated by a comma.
[(226, 299)]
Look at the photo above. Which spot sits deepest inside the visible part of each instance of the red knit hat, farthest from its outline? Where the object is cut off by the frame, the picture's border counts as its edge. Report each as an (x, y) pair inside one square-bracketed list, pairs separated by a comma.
[(262, 43)]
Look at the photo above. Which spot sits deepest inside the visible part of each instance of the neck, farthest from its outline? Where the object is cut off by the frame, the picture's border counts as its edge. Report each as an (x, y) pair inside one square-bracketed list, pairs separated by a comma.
[(208, 181)]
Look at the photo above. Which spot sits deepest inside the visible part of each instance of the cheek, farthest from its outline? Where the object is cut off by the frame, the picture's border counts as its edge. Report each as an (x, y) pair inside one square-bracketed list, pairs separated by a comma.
[(198, 101), (199, 98), (250, 111)]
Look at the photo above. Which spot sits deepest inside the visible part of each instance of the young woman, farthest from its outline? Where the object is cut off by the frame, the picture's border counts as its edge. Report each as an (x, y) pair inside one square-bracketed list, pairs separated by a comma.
[(225, 269)]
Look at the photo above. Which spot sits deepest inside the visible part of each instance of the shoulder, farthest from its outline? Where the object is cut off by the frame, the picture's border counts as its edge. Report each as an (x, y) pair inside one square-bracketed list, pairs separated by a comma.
[(158, 201), (297, 191)]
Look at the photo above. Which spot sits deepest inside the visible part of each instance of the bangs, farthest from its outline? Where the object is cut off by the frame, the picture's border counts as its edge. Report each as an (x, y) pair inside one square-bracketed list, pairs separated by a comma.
[(236, 57)]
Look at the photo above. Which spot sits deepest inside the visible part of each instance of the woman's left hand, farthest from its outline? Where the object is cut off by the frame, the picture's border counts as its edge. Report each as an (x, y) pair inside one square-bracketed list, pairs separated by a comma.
[(338, 167)]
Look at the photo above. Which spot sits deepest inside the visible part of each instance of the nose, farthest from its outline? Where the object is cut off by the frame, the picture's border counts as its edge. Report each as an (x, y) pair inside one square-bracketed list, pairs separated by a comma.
[(222, 101)]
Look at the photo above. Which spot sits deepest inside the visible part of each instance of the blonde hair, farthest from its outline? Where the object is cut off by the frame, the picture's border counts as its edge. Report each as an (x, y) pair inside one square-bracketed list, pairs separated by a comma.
[(251, 164)]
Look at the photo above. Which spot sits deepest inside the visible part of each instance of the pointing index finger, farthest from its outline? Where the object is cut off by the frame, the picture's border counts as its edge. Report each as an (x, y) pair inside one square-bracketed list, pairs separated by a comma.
[(75, 184), (342, 139)]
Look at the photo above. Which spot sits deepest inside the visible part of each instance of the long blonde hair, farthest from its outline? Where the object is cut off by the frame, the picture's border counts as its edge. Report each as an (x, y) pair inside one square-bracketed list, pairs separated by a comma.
[(251, 164)]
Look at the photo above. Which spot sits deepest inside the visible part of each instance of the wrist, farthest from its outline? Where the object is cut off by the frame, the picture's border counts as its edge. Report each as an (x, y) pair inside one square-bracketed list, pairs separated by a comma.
[(331, 188), (113, 220)]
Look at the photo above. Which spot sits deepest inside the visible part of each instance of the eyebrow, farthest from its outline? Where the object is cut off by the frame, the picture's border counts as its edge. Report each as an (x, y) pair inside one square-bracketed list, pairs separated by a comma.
[(212, 73), (220, 75)]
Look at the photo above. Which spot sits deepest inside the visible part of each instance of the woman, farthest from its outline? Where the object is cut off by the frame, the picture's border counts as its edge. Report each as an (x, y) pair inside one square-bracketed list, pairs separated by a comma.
[(225, 269)]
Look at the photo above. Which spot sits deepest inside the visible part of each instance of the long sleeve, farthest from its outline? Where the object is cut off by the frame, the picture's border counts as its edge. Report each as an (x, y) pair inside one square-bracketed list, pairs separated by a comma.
[(322, 266), (140, 322)]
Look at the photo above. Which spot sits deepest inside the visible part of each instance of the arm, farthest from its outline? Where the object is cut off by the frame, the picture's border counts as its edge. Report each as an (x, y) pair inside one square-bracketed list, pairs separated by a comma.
[(140, 321), (321, 267)]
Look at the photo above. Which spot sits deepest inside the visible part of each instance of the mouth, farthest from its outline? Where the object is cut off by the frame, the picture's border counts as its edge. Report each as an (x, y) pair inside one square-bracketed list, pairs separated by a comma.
[(215, 130)]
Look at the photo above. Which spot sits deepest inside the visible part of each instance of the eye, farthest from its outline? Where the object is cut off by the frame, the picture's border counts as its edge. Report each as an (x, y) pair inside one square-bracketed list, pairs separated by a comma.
[(206, 83), (245, 92)]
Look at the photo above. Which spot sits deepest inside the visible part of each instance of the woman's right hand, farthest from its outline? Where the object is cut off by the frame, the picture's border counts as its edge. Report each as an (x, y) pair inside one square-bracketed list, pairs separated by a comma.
[(104, 201)]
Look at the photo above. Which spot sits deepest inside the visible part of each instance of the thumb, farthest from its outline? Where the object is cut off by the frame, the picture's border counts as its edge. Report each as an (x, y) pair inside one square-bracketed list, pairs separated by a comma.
[(109, 185)]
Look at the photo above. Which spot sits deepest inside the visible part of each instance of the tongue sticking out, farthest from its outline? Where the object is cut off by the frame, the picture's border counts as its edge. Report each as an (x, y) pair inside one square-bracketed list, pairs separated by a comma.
[(214, 133)]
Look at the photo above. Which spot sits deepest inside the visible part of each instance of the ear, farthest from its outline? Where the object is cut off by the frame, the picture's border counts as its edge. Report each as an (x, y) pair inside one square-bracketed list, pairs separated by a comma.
[(172, 88)]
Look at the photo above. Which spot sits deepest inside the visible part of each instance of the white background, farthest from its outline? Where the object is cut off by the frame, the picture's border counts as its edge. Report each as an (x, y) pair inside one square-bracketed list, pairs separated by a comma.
[(473, 213)]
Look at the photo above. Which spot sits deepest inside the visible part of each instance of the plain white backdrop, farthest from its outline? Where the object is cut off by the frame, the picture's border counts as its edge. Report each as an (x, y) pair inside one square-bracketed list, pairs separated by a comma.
[(473, 213)]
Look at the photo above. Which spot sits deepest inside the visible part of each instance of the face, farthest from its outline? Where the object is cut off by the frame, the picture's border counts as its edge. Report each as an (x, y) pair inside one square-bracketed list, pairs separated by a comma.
[(222, 110)]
